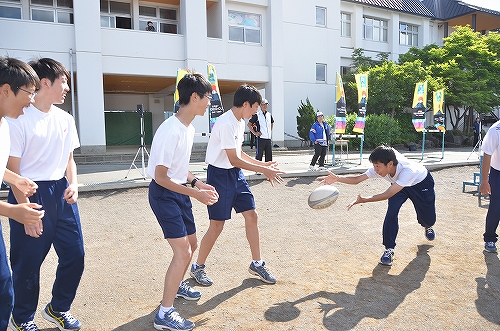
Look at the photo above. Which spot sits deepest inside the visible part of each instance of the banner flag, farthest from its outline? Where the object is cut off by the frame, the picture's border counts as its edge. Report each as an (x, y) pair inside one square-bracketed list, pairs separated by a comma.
[(341, 107), (362, 83), (439, 115), (215, 109), (419, 105), (180, 73)]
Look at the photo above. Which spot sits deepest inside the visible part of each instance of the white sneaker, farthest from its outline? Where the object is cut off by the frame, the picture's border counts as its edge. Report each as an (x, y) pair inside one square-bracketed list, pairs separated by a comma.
[(311, 168), (322, 169)]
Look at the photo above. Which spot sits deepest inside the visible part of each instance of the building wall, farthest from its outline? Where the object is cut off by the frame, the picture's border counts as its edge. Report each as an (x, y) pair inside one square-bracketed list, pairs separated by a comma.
[(283, 66)]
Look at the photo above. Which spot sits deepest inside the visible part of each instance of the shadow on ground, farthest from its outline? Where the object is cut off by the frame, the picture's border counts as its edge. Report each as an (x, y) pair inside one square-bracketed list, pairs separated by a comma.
[(376, 296)]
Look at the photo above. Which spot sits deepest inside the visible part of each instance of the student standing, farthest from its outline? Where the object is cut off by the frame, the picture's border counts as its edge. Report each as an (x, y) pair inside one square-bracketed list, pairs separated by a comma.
[(490, 184), (169, 197), (18, 84), (42, 145), (225, 163)]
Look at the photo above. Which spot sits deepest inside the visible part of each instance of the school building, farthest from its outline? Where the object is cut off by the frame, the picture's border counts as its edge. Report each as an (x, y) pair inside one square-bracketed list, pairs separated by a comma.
[(289, 49)]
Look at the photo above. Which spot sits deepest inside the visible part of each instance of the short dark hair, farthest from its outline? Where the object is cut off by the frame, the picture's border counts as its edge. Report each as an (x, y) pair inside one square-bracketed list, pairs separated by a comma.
[(50, 69), (16, 73), (246, 93), (192, 82), (383, 154)]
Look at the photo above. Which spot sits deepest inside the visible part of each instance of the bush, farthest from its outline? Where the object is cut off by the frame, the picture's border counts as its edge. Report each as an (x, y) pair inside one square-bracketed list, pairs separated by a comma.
[(381, 129), (306, 118)]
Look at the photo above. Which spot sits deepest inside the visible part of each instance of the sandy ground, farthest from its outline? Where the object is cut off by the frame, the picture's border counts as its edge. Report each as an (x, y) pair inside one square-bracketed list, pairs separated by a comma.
[(326, 263)]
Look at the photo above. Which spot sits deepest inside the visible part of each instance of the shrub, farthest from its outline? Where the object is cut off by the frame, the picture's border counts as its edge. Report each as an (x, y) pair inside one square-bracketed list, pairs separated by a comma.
[(306, 118), (381, 129)]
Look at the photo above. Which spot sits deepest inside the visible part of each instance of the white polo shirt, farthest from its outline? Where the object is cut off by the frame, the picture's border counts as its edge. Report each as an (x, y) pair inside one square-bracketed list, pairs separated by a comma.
[(44, 142), (491, 145), (171, 147), (227, 133), (407, 173), (4, 146)]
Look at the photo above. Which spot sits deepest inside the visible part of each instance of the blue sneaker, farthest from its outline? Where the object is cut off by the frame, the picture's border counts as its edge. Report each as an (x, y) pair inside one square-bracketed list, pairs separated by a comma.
[(200, 276), (172, 321), (262, 272), (62, 319), (27, 326), (187, 292), (490, 246), (387, 257), (429, 233)]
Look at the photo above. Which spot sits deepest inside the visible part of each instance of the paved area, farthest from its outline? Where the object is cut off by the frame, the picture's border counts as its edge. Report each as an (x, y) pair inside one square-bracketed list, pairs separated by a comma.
[(295, 163)]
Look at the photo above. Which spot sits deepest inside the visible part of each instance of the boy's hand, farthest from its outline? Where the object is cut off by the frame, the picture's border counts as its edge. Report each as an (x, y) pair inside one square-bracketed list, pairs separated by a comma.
[(71, 194), (273, 175), (27, 213), (26, 186), (35, 230), (208, 195), (330, 179), (485, 188), (359, 199)]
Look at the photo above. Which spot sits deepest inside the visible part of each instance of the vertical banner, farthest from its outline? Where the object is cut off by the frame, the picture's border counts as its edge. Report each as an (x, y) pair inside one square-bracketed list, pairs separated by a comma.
[(180, 73), (362, 83), (215, 109), (438, 103), (341, 107), (419, 105)]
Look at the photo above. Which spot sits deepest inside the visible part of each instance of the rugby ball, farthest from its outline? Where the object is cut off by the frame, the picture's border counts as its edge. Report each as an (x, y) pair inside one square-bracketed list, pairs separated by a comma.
[(322, 197)]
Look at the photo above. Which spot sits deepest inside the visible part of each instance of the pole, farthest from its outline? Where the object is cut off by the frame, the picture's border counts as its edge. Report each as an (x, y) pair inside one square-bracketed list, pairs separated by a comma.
[(335, 122), (442, 146), (361, 148), (423, 144)]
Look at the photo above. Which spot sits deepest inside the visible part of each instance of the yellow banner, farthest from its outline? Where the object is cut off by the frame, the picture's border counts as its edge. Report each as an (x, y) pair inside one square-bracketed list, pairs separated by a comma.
[(420, 95), (439, 114), (180, 73), (362, 83)]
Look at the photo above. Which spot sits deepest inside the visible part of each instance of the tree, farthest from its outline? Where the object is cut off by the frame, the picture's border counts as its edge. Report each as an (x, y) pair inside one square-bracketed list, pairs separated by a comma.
[(306, 118)]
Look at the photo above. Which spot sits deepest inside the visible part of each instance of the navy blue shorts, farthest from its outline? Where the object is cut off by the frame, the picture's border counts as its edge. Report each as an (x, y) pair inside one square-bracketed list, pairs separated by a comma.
[(233, 190), (172, 210)]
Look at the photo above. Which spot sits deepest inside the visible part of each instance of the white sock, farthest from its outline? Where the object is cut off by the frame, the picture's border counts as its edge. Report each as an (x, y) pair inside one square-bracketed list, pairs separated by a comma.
[(164, 310), (258, 263)]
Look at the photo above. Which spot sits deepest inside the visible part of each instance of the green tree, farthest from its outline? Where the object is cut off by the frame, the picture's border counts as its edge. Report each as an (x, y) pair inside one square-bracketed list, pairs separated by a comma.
[(305, 119)]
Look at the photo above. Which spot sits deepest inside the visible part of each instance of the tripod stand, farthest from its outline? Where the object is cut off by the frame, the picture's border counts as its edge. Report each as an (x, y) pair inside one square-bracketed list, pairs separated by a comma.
[(477, 147), (141, 149)]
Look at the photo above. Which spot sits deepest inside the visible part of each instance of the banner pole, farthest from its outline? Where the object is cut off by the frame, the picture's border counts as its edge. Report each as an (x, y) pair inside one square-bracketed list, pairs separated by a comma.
[(361, 148), (423, 144), (334, 123), (442, 146)]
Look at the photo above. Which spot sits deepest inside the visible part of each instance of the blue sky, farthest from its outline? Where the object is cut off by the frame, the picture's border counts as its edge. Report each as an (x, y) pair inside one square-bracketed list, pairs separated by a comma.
[(490, 4)]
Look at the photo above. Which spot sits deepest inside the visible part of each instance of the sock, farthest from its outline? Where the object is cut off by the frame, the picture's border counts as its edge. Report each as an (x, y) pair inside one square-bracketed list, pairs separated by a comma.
[(258, 263), (196, 265), (164, 310)]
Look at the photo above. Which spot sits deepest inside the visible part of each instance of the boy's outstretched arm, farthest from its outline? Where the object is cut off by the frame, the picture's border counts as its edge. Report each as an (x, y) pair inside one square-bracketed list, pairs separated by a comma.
[(346, 179), (269, 169), (392, 190)]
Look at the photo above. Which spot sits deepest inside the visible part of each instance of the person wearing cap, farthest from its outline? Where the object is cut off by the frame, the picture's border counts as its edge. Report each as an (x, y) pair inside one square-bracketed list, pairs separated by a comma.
[(150, 27), (261, 125), (319, 135)]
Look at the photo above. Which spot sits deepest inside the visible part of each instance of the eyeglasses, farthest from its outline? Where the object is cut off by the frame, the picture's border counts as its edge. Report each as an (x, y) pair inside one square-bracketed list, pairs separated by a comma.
[(32, 94), (209, 97)]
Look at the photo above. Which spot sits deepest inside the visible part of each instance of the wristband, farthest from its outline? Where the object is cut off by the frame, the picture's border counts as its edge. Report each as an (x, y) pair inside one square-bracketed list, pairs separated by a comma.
[(194, 182)]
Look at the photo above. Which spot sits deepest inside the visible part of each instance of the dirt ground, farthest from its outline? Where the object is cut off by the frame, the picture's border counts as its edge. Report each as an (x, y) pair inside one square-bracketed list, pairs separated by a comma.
[(326, 263)]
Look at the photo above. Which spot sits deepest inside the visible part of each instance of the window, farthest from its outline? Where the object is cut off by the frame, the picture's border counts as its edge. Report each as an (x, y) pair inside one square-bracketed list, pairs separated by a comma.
[(374, 29), (408, 34), (10, 8), (59, 11), (245, 28), (320, 72), (320, 16), (344, 70), (345, 24), (115, 14), (164, 18)]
